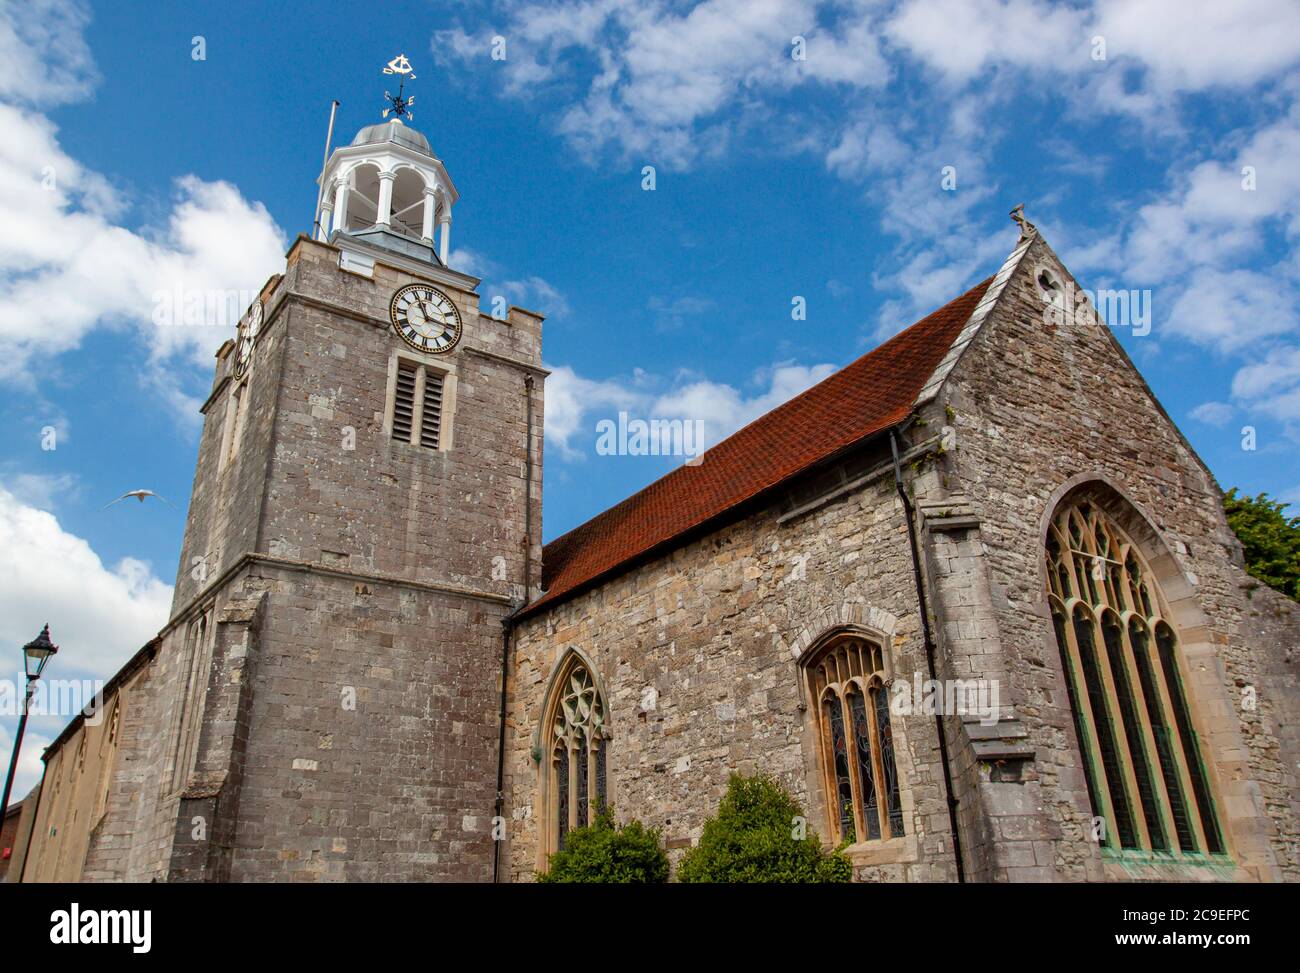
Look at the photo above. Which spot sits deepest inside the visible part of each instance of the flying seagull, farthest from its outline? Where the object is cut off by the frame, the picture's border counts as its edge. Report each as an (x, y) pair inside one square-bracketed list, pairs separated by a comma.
[(139, 495)]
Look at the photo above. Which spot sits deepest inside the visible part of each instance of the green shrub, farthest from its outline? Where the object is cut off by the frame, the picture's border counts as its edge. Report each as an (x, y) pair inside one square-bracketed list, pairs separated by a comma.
[(1270, 540), (754, 838), (607, 852)]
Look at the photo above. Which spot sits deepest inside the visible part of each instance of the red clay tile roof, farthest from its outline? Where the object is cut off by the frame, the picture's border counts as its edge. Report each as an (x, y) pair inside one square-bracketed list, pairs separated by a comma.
[(862, 399)]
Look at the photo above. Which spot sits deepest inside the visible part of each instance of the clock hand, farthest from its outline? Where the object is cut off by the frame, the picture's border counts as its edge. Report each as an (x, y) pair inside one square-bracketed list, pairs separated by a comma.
[(432, 318)]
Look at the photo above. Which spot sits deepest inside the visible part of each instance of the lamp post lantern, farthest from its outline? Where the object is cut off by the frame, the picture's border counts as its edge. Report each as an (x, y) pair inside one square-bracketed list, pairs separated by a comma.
[(36, 654)]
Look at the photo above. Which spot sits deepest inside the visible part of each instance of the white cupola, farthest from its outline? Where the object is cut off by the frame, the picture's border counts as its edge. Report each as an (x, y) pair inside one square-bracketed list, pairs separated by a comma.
[(388, 189)]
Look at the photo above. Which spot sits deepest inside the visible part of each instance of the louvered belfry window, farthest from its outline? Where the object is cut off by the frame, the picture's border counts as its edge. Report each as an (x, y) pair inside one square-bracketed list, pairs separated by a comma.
[(404, 401), (846, 679), (1147, 781), (431, 417), (417, 405)]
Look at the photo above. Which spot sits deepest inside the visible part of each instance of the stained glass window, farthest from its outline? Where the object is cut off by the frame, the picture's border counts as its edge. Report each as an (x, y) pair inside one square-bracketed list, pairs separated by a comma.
[(885, 734), (847, 678), (1142, 759), (1160, 733), (576, 722), (600, 773), (1112, 633), (583, 767), (1105, 730), (561, 795), (1165, 644), (840, 752), (866, 762)]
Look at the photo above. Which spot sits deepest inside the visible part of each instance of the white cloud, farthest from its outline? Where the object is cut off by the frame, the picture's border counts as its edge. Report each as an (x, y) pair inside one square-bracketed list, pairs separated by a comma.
[(724, 408), (67, 268), (531, 292), (961, 38), (671, 84), (1270, 386), (933, 273), (534, 294), (574, 405), (69, 264), (1209, 217), (672, 315), (655, 79), (1198, 44), (1217, 414), (1234, 310), (570, 398), (469, 261), (43, 55), (41, 489), (99, 615), (1199, 246), (1176, 46)]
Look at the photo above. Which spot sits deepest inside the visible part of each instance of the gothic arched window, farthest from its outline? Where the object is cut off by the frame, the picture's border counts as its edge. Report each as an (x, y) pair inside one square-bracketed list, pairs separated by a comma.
[(574, 753), (1142, 758), (846, 681)]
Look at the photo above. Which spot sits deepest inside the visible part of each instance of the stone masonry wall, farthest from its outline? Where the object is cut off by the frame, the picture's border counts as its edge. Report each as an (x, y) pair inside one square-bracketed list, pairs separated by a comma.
[(133, 842), (712, 628), (371, 753), (229, 485), (1036, 409), (384, 506)]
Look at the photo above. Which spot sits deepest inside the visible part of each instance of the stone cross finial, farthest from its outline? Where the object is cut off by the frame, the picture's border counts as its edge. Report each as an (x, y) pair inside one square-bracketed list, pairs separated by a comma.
[(1018, 218)]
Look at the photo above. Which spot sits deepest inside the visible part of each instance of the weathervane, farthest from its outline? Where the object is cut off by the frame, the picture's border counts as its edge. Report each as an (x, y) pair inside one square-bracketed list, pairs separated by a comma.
[(401, 106)]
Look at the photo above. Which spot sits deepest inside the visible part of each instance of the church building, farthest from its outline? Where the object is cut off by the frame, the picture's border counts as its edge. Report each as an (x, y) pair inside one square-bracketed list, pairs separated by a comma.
[(972, 600)]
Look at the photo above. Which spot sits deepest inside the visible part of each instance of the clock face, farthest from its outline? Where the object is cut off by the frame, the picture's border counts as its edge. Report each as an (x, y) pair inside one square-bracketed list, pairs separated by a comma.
[(248, 328), (426, 318)]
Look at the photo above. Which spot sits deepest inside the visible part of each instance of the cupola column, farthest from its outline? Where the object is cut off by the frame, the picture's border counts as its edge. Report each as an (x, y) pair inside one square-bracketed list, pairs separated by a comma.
[(430, 205), (341, 203), (326, 214), (383, 215), (444, 224)]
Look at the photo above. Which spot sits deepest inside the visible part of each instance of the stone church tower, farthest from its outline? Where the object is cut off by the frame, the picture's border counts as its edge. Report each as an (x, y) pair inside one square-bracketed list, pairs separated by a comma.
[(366, 498), (323, 703)]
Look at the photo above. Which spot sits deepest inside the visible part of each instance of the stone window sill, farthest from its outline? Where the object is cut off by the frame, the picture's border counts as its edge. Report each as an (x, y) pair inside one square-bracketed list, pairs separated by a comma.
[(889, 851), (1166, 866)]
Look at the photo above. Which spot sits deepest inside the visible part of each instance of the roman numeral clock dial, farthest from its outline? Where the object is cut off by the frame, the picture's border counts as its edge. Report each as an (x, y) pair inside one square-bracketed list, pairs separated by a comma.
[(249, 326), (426, 318)]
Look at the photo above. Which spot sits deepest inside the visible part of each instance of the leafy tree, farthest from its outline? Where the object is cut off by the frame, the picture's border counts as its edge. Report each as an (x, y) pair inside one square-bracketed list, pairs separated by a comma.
[(1270, 540), (607, 852), (758, 836)]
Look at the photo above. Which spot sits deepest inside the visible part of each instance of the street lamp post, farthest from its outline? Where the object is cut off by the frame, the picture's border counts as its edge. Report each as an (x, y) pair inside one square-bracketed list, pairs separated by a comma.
[(36, 653)]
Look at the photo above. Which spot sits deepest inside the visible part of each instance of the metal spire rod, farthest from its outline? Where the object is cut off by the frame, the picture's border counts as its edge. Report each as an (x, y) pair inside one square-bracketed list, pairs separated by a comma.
[(320, 191)]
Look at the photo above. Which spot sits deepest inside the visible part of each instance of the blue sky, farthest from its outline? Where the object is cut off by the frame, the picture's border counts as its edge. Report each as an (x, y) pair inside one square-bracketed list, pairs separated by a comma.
[(128, 166)]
